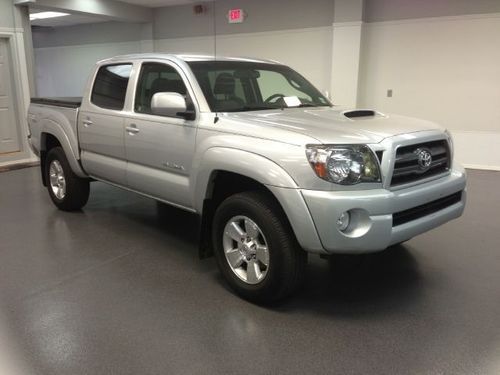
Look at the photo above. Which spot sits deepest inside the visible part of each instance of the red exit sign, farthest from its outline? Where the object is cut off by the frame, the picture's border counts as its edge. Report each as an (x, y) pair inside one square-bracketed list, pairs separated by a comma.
[(235, 15)]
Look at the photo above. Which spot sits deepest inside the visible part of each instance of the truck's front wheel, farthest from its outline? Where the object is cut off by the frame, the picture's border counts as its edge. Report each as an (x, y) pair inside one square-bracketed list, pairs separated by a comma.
[(255, 248), (68, 191)]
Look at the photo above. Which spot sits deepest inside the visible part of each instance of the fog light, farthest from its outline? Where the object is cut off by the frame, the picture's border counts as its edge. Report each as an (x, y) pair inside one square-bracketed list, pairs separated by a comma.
[(343, 221)]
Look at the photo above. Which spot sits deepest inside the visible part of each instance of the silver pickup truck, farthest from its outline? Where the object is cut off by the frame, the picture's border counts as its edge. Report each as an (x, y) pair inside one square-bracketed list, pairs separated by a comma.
[(271, 166)]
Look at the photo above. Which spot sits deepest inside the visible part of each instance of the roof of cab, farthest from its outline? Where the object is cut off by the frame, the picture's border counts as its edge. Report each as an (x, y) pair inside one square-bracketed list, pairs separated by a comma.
[(186, 58)]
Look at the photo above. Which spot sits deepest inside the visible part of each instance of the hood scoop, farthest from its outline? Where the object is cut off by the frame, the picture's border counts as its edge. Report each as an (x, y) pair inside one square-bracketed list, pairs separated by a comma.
[(360, 113)]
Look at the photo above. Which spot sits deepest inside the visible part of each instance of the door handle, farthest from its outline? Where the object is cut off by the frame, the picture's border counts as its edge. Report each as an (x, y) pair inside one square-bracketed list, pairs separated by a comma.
[(87, 123), (132, 129)]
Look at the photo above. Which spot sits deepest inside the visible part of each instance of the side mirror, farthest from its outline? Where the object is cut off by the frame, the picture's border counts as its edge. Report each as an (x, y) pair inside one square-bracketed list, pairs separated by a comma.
[(170, 104)]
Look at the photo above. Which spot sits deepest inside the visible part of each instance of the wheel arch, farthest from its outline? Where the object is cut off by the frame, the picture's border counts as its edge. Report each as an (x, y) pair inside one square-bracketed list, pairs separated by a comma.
[(251, 166), (47, 142), (221, 185), (53, 135), (229, 171)]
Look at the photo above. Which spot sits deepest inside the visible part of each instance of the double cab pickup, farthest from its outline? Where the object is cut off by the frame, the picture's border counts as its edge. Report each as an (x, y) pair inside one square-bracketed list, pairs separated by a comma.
[(271, 166)]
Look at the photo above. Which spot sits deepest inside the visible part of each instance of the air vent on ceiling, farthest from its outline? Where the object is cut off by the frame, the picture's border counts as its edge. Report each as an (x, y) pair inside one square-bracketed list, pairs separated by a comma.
[(360, 113)]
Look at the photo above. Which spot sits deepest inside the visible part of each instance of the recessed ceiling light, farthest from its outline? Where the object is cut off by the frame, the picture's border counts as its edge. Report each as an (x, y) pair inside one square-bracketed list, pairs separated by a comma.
[(45, 15)]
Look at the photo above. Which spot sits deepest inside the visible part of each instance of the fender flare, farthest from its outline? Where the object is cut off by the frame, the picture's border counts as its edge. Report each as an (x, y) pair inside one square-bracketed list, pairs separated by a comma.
[(263, 170), (248, 164), (55, 129)]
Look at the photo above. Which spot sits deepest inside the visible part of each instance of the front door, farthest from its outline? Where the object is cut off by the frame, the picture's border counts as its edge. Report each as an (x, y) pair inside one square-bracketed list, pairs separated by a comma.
[(9, 136), (159, 149)]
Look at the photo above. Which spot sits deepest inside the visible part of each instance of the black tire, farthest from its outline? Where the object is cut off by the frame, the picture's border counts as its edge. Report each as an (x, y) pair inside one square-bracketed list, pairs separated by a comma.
[(286, 266), (77, 189)]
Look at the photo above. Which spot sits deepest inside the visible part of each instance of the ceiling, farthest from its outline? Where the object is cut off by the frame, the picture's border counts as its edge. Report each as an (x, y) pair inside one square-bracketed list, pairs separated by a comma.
[(72, 19), (159, 3), (77, 19)]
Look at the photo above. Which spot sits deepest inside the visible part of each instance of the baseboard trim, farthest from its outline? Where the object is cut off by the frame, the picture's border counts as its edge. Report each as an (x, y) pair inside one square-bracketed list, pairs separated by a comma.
[(482, 167), (18, 164)]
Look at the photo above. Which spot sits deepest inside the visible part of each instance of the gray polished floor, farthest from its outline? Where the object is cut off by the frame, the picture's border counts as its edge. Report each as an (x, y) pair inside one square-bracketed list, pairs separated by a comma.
[(118, 289)]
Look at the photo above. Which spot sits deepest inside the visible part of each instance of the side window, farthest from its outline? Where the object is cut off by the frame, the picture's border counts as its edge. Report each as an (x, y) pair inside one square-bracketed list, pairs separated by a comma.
[(156, 78), (110, 86)]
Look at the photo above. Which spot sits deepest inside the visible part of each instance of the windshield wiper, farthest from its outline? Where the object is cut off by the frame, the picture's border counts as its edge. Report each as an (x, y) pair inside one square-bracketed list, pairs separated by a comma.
[(302, 105), (248, 108)]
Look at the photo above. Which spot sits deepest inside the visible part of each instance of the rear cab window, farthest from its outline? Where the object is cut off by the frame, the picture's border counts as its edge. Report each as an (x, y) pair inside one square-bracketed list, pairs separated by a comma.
[(110, 86)]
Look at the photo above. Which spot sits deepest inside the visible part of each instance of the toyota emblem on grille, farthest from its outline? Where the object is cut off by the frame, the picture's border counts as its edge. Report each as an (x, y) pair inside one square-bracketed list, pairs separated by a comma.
[(424, 158)]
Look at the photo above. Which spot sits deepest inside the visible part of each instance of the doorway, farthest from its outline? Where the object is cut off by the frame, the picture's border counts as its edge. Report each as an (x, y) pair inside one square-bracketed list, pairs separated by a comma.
[(9, 129)]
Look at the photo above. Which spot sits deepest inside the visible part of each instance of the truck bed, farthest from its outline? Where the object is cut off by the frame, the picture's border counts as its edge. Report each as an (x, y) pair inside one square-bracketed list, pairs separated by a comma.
[(56, 116), (68, 102)]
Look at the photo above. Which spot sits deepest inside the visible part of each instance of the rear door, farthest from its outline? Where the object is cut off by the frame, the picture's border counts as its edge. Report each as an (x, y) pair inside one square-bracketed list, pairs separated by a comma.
[(160, 149), (101, 124)]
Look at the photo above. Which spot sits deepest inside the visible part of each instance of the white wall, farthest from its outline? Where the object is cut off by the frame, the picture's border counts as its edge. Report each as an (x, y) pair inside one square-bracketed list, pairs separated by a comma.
[(65, 56), (306, 50), (443, 69), (262, 15), (63, 71)]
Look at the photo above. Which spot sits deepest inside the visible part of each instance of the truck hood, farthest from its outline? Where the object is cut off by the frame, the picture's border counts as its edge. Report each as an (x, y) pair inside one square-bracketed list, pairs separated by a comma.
[(330, 125)]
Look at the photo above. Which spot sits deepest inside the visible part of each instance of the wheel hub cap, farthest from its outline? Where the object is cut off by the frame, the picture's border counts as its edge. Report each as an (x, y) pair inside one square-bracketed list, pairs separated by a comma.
[(57, 179), (246, 249)]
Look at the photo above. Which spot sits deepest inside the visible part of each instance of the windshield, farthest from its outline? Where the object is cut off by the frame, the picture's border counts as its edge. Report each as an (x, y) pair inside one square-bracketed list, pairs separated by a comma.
[(234, 86)]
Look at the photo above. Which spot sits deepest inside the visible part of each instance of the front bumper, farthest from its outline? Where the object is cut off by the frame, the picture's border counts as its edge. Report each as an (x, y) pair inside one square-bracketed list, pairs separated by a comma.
[(371, 227)]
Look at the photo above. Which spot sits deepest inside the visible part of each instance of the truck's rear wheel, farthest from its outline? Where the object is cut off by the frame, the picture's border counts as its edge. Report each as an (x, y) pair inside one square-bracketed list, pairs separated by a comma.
[(68, 191), (255, 248)]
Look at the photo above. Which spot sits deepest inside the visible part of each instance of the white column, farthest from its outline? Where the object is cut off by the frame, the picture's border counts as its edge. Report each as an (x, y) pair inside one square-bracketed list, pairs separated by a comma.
[(345, 62), (147, 39), (346, 50)]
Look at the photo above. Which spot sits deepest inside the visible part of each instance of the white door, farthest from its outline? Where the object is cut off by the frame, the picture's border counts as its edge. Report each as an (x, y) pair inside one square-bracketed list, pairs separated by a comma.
[(9, 138)]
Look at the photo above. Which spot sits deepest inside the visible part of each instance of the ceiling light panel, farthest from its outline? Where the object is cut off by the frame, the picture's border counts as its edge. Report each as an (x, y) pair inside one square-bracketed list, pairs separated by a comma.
[(45, 15)]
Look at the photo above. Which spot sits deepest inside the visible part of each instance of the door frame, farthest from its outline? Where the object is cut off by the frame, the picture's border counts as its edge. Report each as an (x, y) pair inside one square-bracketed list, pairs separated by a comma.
[(21, 93)]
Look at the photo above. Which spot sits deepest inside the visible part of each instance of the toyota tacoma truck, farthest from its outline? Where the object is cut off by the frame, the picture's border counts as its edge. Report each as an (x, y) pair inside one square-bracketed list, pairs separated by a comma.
[(271, 166)]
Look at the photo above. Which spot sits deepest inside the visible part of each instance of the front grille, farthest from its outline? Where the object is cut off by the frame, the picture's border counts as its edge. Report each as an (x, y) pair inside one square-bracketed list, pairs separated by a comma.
[(407, 168), (415, 213)]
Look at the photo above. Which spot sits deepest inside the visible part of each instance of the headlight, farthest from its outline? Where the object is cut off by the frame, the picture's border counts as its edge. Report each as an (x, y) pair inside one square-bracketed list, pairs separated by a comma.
[(344, 164)]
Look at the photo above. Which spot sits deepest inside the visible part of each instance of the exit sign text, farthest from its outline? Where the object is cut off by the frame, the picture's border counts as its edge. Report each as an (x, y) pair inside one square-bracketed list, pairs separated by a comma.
[(235, 15)]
